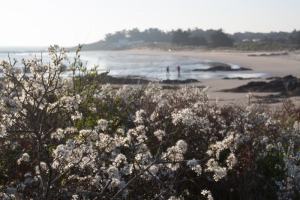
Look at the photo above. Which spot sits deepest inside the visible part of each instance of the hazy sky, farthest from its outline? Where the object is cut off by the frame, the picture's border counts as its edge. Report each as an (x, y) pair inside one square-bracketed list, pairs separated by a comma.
[(69, 22)]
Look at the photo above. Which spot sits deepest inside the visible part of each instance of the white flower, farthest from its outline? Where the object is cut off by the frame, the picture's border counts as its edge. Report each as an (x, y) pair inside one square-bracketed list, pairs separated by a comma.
[(231, 161), (113, 172), (102, 124), (153, 169), (139, 116), (116, 183), (120, 131), (89, 134), (28, 174), (159, 134), (58, 134), (120, 159), (208, 193), (213, 166), (264, 139), (185, 116), (153, 116), (2, 131), (25, 158), (194, 165), (76, 116), (182, 146), (296, 126)]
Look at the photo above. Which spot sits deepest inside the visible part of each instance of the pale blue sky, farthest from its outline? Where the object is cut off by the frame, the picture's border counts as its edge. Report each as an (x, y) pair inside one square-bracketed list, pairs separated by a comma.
[(69, 22)]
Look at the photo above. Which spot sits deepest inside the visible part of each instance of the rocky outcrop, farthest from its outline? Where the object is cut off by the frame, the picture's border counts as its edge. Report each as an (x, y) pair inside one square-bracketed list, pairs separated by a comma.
[(270, 54), (124, 80), (286, 85), (137, 80), (222, 68), (168, 81), (240, 78)]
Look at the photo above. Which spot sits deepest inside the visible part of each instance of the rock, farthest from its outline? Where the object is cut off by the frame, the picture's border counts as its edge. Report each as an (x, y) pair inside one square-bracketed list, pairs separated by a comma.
[(138, 80), (222, 68), (240, 78), (179, 81), (270, 54), (124, 80), (286, 85)]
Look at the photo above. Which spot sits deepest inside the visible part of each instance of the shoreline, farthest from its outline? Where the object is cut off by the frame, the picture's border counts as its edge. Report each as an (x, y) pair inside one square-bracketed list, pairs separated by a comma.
[(275, 66)]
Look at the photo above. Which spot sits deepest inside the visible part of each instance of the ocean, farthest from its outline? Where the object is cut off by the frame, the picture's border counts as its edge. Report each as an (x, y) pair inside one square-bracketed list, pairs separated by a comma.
[(139, 66)]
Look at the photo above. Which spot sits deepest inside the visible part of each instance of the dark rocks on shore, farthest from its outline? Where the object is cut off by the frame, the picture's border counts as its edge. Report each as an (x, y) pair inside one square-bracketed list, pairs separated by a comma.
[(123, 80), (222, 68), (269, 99), (273, 78), (287, 85), (136, 80), (270, 54), (175, 87), (240, 78), (179, 81)]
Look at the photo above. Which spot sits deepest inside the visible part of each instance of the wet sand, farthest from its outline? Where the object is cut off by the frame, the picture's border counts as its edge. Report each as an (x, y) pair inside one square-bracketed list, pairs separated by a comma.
[(279, 65)]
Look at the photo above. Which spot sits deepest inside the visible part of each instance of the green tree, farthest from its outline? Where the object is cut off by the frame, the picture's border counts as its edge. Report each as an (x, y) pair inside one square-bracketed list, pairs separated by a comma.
[(181, 37), (219, 38), (135, 34), (298, 38), (295, 37), (112, 38), (198, 41)]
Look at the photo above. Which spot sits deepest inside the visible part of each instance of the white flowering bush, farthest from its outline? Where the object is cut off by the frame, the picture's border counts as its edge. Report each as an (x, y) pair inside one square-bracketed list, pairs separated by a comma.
[(75, 138)]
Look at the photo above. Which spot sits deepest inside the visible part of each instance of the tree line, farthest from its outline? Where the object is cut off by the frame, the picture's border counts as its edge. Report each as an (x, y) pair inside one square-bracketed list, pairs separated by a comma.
[(199, 37), (216, 38), (148, 35)]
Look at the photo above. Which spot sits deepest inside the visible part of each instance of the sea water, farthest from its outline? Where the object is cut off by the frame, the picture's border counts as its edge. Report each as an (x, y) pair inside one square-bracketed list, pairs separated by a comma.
[(138, 66)]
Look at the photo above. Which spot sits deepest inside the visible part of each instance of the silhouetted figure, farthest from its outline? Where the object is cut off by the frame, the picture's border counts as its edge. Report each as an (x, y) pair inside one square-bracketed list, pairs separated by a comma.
[(168, 71), (178, 69)]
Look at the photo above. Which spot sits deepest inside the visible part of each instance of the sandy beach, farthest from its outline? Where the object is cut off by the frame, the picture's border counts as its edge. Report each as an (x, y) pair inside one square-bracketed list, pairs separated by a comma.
[(275, 66)]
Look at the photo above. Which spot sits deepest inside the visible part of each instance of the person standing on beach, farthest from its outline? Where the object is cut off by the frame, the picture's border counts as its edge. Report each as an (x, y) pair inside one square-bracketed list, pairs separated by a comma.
[(168, 73), (178, 69)]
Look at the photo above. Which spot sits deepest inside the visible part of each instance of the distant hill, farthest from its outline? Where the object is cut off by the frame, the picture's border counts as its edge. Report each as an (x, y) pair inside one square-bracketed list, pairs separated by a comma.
[(116, 41), (100, 45)]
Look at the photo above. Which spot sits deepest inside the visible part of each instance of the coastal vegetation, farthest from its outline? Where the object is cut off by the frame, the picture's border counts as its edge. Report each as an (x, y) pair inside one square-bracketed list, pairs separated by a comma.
[(77, 138), (194, 38), (266, 46)]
